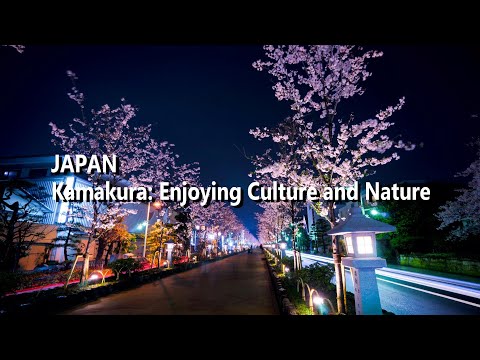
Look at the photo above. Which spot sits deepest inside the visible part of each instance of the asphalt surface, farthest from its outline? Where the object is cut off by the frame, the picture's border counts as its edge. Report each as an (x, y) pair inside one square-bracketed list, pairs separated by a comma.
[(415, 293), (238, 285)]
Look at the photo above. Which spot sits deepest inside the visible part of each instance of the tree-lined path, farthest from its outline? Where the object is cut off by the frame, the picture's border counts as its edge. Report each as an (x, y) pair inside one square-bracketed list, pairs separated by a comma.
[(238, 285)]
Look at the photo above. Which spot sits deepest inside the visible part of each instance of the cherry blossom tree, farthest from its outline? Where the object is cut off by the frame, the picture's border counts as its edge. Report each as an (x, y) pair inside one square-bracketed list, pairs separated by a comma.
[(461, 214), (271, 221), (163, 166), (318, 146), (20, 48), (213, 219), (106, 131)]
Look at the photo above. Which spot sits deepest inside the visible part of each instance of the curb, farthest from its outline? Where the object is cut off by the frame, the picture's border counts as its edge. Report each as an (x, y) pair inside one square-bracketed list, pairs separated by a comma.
[(284, 304)]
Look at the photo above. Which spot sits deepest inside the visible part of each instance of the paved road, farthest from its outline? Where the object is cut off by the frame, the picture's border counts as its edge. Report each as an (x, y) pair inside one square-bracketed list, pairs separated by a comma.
[(413, 293), (238, 285)]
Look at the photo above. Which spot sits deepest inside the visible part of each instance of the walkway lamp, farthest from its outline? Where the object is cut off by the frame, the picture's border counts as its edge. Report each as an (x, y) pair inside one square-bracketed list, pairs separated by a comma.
[(359, 233)]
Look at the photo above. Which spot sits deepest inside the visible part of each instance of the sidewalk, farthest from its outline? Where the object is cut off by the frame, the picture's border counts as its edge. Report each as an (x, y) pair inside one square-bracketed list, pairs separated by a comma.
[(238, 285)]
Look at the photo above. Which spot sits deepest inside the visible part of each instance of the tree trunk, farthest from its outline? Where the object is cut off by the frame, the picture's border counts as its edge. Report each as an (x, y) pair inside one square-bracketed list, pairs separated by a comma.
[(108, 253), (65, 245), (101, 249), (337, 263), (84, 273), (10, 249)]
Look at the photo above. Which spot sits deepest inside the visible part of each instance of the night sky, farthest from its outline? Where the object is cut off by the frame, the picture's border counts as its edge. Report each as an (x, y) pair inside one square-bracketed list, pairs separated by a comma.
[(204, 99)]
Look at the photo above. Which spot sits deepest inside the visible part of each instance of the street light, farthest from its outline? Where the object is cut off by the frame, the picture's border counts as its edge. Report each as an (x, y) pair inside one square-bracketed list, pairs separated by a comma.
[(157, 205), (170, 245), (283, 247)]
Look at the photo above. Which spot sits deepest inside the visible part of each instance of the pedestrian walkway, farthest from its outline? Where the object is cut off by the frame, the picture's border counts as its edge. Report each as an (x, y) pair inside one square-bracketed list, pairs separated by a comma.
[(238, 285)]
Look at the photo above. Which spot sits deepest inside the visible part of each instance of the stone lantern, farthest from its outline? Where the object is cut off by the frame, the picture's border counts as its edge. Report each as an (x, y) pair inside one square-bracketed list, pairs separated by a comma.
[(359, 234), (170, 244)]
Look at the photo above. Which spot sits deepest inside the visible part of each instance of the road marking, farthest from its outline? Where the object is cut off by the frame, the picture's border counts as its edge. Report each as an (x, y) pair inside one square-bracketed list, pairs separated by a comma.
[(446, 284), (453, 289), (433, 293)]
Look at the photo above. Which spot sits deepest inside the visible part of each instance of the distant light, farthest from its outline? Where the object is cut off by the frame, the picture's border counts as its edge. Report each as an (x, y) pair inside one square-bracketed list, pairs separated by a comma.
[(317, 300), (287, 269), (219, 233), (197, 227), (374, 212), (94, 277)]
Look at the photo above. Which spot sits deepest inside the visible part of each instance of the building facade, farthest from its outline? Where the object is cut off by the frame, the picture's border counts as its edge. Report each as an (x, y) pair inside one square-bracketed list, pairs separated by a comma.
[(36, 170)]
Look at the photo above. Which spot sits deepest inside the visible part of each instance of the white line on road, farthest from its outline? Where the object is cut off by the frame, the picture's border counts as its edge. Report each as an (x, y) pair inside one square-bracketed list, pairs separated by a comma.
[(433, 293), (436, 282)]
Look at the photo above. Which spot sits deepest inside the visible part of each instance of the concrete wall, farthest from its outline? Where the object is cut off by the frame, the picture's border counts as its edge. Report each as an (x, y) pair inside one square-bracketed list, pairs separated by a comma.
[(464, 267)]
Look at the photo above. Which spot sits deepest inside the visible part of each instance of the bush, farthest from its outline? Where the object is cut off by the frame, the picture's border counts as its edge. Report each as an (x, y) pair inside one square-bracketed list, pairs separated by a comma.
[(288, 261), (9, 282), (317, 276), (129, 265)]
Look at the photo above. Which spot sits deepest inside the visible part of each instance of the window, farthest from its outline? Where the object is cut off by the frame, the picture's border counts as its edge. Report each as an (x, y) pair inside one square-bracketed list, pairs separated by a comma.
[(364, 244), (349, 244)]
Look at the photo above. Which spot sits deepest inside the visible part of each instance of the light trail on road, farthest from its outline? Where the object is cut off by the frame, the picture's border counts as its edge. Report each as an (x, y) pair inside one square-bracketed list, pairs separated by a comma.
[(395, 287)]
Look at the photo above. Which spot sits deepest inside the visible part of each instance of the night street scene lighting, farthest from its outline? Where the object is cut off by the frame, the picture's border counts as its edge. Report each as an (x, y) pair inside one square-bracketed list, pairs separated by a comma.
[(319, 180)]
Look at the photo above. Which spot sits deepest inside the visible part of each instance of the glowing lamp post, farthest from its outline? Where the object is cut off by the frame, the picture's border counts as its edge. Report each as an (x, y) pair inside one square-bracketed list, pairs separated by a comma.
[(157, 205), (359, 234), (170, 245), (194, 235), (283, 247)]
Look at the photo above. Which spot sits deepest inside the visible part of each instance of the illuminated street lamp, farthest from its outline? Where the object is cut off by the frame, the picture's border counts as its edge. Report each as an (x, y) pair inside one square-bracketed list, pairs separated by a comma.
[(170, 244), (374, 212), (194, 243), (157, 205), (359, 234), (283, 247)]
